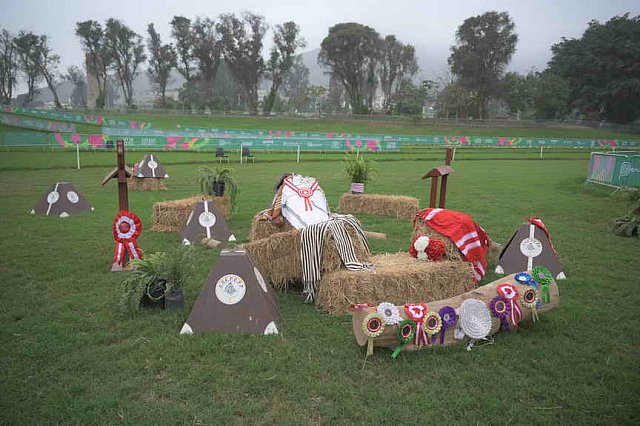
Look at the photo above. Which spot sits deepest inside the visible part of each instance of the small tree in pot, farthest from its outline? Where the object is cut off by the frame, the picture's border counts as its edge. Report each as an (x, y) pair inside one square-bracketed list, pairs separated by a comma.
[(157, 280), (217, 181), (359, 170)]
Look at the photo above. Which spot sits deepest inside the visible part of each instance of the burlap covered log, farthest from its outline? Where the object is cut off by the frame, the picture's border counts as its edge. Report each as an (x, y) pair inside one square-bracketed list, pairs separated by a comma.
[(278, 256), (171, 216), (379, 204), (398, 278)]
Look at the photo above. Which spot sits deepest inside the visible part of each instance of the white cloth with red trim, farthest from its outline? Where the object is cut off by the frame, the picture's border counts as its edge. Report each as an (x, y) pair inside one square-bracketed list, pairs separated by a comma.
[(472, 241), (303, 201)]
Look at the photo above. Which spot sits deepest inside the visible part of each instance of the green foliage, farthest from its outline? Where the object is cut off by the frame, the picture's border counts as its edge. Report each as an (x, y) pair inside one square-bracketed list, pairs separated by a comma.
[(207, 178), (397, 63), (551, 96), (409, 99), (175, 267), (162, 59), (601, 69), (485, 45), (359, 169), (629, 224)]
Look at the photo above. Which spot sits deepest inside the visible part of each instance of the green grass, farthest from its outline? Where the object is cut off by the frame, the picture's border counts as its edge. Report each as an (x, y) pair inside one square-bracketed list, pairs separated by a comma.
[(68, 356)]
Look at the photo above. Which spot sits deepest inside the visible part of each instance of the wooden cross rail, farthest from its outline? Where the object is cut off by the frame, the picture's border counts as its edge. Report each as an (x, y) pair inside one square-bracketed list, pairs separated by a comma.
[(436, 173)]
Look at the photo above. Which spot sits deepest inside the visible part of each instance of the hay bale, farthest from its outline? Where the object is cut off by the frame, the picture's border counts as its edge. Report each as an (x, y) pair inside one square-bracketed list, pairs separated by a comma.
[(146, 184), (451, 251), (171, 216), (265, 228), (278, 256), (378, 204), (399, 279)]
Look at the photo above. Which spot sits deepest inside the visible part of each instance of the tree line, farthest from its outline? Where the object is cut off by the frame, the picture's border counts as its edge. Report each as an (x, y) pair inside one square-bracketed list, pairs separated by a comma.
[(223, 65)]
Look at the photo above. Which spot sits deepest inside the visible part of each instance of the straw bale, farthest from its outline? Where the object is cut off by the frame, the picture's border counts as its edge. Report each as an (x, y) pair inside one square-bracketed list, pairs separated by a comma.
[(398, 278), (265, 228), (171, 216), (397, 206), (146, 184), (278, 256)]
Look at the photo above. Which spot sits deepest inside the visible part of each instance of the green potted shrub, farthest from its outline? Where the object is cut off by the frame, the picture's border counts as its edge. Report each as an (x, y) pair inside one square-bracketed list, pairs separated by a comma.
[(359, 170), (629, 224), (216, 181), (157, 280)]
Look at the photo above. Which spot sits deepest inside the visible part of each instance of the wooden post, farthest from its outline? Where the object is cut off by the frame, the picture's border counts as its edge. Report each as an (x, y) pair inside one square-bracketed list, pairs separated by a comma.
[(434, 190), (123, 191), (443, 182)]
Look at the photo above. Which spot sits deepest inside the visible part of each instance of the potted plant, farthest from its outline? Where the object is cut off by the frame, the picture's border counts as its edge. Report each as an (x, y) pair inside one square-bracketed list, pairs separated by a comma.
[(217, 181), (359, 170), (157, 280)]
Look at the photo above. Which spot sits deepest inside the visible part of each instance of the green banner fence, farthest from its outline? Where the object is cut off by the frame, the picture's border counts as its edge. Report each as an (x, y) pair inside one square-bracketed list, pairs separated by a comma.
[(618, 170), (25, 123), (97, 120)]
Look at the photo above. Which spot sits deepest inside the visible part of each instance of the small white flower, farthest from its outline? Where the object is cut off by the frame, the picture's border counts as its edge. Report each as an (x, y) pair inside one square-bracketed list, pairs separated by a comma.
[(421, 243), (389, 312)]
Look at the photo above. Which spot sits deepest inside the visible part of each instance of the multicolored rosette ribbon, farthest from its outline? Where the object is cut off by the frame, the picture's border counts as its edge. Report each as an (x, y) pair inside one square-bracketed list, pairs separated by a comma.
[(500, 309), (523, 278), (406, 332), (432, 324), (373, 326), (544, 277), (126, 230), (389, 312), (417, 312), (448, 316), (510, 293), (529, 299)]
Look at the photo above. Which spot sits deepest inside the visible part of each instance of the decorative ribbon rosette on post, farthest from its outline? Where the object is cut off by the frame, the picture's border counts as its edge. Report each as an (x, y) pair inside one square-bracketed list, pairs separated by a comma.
[(389, 312), (510, 293), (500, 309), (544, 277), (406, 332), (448, 316), (425, 248), (373, 326), (530, 300), (126, 230), (417, 313)]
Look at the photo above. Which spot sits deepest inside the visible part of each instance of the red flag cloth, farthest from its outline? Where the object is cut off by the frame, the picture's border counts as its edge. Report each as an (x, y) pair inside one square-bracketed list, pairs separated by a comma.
[(472, 241)]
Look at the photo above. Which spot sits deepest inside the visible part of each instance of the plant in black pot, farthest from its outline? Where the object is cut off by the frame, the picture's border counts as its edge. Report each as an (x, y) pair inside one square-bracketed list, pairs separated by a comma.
[(359, 170), (218, 181), (157, 280)]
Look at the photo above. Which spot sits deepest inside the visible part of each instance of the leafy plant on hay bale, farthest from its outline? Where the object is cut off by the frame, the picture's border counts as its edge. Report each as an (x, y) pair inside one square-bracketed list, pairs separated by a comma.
[(157, 280), (629, 224), (360, 171), (216, 181)]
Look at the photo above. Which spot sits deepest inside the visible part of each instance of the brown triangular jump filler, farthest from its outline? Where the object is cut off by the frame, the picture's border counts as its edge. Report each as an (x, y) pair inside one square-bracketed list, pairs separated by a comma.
[(235, 299), (150, 167), (205, 222), (529, 246), (62, 199)]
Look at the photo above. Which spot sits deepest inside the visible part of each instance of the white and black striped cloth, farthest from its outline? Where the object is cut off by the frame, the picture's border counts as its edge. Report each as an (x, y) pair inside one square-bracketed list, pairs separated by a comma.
[(312, 246)]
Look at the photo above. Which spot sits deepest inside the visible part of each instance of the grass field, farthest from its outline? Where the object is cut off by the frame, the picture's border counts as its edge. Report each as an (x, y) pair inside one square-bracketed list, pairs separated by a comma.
[(68, 356)]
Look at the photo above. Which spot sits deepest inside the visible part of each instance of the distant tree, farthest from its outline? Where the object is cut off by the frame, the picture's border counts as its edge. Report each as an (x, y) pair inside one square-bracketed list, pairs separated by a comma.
[(397, 61), (602, 68), (8, 66), (184, 39), (26, 44), (551, 95), (485, 45), (410, 98), (207, 52), (454, 99), (242, 50), (76, 77), (127, 51), (286, 40), (162, 59), (295, 85), (519, 91), (98, 55), (349, 51), (314, 93), (47, 63)]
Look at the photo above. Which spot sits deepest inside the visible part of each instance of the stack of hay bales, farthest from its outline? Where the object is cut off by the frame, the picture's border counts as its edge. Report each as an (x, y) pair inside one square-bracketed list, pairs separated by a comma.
[(451, 251), (397, 206), (265, 228), (149, 175), (398, 278), (279, 260), (171, 216), (146, 184)]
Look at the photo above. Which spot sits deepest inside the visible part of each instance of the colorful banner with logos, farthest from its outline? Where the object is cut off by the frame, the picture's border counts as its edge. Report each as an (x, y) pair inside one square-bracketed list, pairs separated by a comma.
[(25, 123), (75, 118), (614, 169)]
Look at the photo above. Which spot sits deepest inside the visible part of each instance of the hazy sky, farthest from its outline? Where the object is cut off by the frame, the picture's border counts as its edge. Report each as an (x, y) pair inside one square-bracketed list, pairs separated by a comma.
[(429, 25)]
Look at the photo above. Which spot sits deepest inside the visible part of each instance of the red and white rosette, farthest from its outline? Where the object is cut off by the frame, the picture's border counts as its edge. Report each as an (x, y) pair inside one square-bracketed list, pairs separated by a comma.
[(510, 293), (126, 230), (417, 313)]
